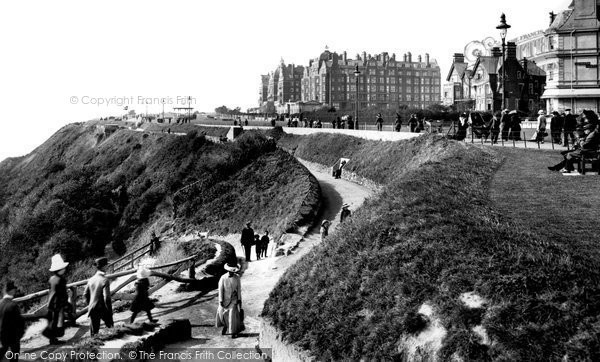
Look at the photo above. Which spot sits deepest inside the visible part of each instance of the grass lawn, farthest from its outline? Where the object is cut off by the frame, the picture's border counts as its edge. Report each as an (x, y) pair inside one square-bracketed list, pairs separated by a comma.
[(564, 209)]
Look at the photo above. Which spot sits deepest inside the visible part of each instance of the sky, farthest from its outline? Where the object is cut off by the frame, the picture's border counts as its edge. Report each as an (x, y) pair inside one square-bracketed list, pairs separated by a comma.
[(71, 61)]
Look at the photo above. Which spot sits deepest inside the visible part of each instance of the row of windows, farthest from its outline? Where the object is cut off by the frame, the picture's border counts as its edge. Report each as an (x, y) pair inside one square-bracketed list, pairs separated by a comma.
[(390, 80), (387, 97)]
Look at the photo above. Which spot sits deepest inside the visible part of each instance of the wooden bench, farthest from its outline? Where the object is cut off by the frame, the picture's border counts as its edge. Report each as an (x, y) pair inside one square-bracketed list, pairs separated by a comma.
[(593, 159)]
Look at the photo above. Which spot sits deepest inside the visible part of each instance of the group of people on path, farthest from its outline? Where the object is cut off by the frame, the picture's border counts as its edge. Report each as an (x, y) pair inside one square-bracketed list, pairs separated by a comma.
[(61, 311), (249, 239)]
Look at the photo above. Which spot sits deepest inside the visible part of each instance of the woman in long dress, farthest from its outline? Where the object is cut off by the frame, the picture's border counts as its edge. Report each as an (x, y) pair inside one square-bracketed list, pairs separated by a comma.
[(230, 302), (58, 300)]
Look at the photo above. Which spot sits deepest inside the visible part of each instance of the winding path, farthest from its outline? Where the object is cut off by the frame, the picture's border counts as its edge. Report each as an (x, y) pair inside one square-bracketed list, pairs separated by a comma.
[(259, 277)]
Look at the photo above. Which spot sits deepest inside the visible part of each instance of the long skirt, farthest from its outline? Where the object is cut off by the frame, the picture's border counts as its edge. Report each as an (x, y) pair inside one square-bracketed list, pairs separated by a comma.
[(230, 317)]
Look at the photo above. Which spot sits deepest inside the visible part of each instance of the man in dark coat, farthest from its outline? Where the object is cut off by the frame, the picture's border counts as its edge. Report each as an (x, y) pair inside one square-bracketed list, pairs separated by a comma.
[(586, 145), (413, 122), (569, 127), (247, 240), (12, 326), (398, 123), (97, 294), (504, 124), (556, 127), (461, 131), (264, 244), (379, 122)]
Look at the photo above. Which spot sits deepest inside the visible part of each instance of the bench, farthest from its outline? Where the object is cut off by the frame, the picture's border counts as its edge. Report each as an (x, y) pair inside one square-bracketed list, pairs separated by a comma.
[(593, 159)]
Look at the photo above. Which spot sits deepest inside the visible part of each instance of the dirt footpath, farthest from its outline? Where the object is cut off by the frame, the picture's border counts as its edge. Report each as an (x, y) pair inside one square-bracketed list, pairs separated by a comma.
[(259, 277)]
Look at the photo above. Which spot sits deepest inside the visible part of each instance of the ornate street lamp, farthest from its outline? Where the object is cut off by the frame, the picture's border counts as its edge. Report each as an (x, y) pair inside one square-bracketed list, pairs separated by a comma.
[(503, 27), (356, 75)]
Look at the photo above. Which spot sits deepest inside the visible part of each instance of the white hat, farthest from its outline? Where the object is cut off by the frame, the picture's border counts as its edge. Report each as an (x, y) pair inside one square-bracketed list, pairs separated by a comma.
[(345, 206), (142, 272), (231, 268), (58, 263), (541, 111)]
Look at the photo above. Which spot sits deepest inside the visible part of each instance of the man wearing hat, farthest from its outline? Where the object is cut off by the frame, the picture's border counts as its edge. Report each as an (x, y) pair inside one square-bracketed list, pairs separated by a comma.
[(247, 240), (413, 122), (461, 132), (97, 293), (504, 124), (556, 126), (345, 213), (586, 145), (569, 127), (12, 326), (379, 122), (325, 229), (229, 312), (58, 300)]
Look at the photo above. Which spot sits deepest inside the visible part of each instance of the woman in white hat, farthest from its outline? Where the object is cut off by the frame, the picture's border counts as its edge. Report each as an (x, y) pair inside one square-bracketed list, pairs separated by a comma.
[(141, 301), (58, 300), (346, 213), (230, 302)]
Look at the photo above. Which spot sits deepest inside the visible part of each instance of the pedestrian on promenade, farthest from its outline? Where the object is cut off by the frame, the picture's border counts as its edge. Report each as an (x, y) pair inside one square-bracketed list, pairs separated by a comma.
[(569, 127), (398, 123), (247, 240), (319, 124), (346, 213), (461, 131), (264, 243), (379, 122), (12, 325), (154, 243), (350, 122), (504, 124), (556, 127), (515, 126), (413, 122), (325, 229), (229, 315), (257, 246), (141, 301), (97, 294), (540, 130), (58, 300), (338, 122), (494, 126)]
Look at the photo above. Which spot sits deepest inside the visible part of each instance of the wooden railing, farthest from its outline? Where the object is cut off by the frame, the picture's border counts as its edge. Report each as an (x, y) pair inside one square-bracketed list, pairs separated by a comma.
[(129, 259), (41, 311)]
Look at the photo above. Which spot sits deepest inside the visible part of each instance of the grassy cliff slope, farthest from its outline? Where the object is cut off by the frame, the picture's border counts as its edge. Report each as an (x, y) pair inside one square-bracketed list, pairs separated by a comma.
[(431, 235), (82, 190)]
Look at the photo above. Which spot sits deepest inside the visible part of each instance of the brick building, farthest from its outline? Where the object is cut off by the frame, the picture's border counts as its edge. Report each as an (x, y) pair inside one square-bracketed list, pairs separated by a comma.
[(478, 86), (384, 82), (568, 52)]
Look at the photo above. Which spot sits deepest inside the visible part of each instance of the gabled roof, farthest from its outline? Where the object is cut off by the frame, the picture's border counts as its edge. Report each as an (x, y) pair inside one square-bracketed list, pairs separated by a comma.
[(533, 69), (460, 69), (489, 63)]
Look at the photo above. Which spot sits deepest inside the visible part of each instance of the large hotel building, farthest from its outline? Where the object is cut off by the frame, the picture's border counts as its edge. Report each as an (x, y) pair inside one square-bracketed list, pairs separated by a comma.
[(384, 82)]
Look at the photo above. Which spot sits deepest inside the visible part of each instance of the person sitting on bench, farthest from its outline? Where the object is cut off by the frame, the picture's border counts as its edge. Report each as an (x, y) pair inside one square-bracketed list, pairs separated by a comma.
[(586, 146)]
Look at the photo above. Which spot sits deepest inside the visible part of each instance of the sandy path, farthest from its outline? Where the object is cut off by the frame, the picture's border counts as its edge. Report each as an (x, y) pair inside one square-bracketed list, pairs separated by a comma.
[(259, 277)]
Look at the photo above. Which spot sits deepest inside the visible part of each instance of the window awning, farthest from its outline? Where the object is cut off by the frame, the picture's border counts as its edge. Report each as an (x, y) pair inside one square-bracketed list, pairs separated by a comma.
[(571, 93)]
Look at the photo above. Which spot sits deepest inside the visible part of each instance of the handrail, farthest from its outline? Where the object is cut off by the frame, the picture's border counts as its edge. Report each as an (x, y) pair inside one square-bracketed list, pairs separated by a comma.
[(128, 255), (110, 276)]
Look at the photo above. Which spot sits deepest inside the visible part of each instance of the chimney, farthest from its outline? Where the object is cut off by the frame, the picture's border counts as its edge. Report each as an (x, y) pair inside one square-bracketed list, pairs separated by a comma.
[(459, 58), (345, 57), (420, 59), (552, 17), (394, 56), (405, 57), (364, 56), (524, 62), (409, 57), (427, 58), (357, 56), (511, 50), (378, 57), (496, 52)]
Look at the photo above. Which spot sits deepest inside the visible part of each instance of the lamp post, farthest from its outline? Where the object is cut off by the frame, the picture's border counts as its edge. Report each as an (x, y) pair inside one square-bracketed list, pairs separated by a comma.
[(356, 75), (503, 27)]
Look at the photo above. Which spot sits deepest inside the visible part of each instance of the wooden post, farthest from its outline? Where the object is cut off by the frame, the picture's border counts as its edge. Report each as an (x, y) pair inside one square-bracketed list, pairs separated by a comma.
[(524, 139)]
